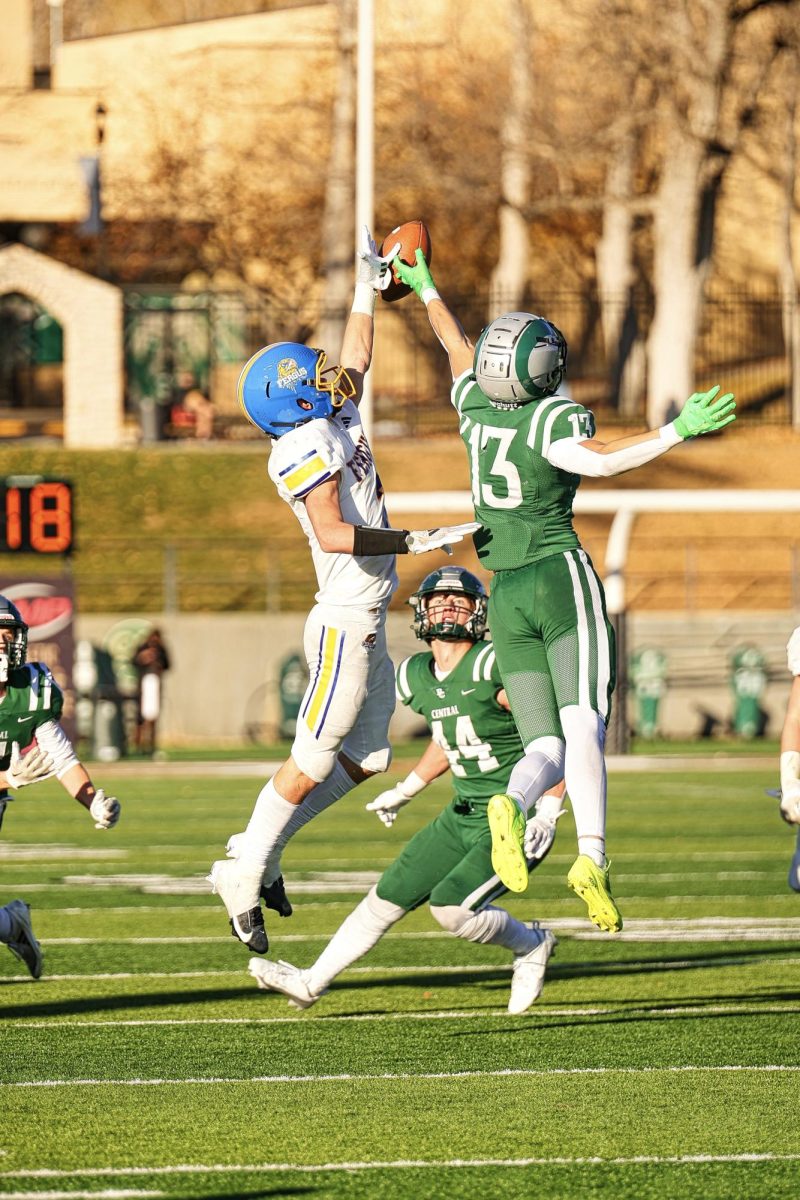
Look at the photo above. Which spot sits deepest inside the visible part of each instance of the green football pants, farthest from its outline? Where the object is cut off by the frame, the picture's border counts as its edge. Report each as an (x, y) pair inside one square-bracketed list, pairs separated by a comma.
[(553, 641), (447, 862)]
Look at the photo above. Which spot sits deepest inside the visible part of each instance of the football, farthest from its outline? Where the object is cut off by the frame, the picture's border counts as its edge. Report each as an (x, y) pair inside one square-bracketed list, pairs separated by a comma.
[(411, 235)]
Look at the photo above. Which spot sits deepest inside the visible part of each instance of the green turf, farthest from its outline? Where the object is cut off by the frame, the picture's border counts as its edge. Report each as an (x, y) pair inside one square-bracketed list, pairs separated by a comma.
[(664, 1063)]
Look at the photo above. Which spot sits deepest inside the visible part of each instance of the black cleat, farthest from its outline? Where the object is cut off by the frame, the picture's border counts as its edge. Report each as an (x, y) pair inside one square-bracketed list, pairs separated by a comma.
[(249, 928), (274, 896)]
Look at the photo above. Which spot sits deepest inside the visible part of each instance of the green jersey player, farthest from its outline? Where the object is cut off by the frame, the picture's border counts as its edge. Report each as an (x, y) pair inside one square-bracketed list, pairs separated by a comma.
[(528, 448), (456, 687), (30, 707)]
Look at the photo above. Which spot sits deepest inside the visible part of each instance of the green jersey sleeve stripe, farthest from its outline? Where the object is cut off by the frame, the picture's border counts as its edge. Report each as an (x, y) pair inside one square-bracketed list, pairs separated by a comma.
[(543, 420), (478, 664), (548, 428), (404, 692), (33, 694)]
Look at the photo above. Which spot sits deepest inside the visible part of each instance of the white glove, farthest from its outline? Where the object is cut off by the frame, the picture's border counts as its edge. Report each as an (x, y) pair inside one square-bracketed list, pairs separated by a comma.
[(104, 810), (540, 829), (793, 652), (539, 834), (35, 766), (387, 804), (373, 267), (232, 848), (790, 804), (420, 541), (790, 786)]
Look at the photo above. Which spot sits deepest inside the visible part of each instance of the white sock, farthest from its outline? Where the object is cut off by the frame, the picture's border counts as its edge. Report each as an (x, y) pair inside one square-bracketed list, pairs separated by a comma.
[(585, 777), (491, 926), (6, 922), (357, 934), (338, 784), (271, 814), (540, 769)]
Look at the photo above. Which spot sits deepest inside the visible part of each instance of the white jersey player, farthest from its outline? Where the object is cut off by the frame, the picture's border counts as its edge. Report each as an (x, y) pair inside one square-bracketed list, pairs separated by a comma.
[(322, 465)]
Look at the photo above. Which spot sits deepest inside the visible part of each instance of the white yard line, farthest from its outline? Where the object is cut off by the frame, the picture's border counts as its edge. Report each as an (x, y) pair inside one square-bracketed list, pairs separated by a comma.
[(641, 929), (406, 1076), (395, 1165), (745, 1007), (106, 1194)]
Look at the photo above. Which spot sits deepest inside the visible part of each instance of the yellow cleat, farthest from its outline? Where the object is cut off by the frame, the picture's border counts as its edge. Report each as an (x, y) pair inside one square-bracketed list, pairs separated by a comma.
[(507, 825), (593, 885)]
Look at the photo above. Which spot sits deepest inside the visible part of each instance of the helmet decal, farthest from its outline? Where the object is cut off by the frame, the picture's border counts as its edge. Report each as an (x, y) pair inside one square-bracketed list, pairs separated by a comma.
[(286, 384)]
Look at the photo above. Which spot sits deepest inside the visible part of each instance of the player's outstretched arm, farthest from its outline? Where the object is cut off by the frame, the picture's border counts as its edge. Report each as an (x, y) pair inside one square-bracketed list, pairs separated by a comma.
[(430, 766), (104, 810), (372, 276), (444, 323), (704, 412), (337, 536)]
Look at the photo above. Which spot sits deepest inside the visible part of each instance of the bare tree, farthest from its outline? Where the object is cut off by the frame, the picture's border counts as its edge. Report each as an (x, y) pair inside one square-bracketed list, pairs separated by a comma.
[(715, 74)]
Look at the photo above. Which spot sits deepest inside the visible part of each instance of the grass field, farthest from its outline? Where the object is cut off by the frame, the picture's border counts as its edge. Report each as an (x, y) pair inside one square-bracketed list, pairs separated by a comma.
[(661, 1063)]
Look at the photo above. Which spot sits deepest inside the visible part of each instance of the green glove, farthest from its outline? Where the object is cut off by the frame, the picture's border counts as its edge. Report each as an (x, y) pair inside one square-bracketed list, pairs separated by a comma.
[(704, 413), (419, 277)]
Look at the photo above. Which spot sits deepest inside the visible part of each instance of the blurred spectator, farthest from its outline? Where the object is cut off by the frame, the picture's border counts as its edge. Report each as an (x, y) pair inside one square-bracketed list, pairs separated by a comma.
[(151, 660), (790, 756), (195, 410)]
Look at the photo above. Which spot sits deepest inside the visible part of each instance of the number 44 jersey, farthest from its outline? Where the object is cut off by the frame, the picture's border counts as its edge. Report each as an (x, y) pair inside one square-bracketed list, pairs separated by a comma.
[(479, 737), (522, 500)]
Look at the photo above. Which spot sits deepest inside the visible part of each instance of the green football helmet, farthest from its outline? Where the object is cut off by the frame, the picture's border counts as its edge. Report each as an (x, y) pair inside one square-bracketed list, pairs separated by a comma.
[(450, 580), (14, 652), (520, 357)]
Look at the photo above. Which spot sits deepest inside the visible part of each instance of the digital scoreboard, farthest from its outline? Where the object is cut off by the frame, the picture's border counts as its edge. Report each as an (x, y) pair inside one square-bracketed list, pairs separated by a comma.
[(35, 515)]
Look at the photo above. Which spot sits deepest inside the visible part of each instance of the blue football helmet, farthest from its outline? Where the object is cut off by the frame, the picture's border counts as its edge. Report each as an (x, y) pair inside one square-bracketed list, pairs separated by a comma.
[(454, 581), (286, 384)]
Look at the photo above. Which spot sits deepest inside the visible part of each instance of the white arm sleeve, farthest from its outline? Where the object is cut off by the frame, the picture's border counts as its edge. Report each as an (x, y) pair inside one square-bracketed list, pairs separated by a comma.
[(51, 737), (574, 456)]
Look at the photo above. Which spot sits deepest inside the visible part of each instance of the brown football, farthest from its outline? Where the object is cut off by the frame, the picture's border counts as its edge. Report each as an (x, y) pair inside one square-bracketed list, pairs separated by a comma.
[(411, 235)]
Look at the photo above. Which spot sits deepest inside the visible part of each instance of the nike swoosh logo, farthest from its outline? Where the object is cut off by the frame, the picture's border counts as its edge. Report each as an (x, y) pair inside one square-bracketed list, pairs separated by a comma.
[(24, 718), (467, 691)]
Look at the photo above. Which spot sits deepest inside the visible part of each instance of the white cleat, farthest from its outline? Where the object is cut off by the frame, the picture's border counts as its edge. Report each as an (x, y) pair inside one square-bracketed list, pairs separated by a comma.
[(283, 977), (22, 942), (527, 979), (794, 869), (241, 904)]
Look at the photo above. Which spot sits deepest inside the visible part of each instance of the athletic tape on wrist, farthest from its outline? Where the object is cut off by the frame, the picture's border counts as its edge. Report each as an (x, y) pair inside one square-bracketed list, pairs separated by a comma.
[(428, 294), (364, 299)]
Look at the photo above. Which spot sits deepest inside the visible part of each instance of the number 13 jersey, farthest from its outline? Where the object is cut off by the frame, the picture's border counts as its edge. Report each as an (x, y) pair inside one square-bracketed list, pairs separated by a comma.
[(522, 500)]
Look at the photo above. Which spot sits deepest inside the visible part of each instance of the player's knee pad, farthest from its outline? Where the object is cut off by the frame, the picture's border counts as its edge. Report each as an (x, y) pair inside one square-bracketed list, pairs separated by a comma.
[(461, 922), (315, 762), (374, 763)]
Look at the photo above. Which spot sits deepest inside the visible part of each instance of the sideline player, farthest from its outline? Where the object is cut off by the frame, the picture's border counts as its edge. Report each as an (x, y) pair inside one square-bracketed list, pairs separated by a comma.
[(456, 686), (790, 756), (30, 706), (322, 466), (528, 448)]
